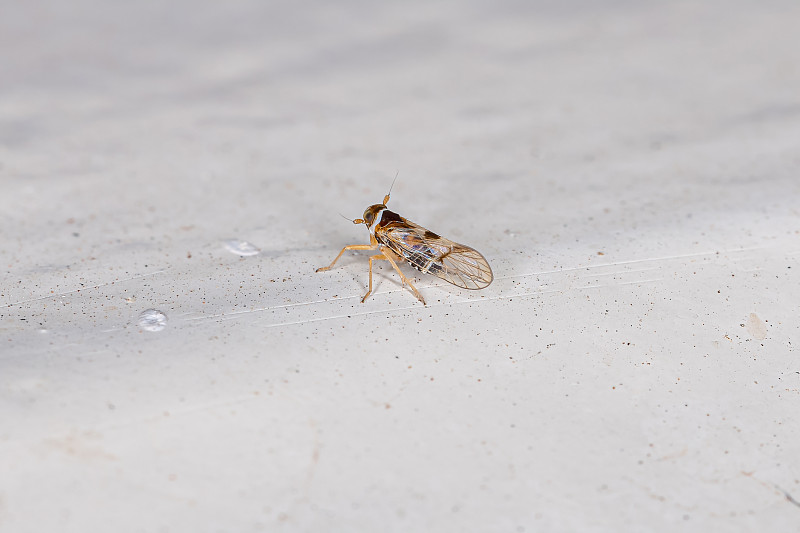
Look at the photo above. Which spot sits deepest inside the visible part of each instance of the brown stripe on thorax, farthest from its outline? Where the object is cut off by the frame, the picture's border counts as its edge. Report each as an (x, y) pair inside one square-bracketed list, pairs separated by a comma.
[(388, 217)]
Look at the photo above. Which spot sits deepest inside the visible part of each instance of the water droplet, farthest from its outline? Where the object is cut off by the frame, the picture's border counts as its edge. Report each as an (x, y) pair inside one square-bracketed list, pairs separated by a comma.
[(152, 320), (242, 248)]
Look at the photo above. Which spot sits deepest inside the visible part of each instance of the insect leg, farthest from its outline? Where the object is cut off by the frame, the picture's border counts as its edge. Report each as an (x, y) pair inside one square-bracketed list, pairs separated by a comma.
[(350, 247), (376, 257), (405, 279)]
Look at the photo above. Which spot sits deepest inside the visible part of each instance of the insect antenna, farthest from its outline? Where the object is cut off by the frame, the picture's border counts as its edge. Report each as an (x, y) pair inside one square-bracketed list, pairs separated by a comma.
[(386, 198), (356, 221)]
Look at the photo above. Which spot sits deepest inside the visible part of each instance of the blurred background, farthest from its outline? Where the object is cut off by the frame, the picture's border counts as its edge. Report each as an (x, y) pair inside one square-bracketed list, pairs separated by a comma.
[(172, 174)]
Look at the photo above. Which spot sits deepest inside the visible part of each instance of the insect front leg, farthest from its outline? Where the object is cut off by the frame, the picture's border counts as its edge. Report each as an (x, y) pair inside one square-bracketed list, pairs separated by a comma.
[(350, 247), (376, 257)]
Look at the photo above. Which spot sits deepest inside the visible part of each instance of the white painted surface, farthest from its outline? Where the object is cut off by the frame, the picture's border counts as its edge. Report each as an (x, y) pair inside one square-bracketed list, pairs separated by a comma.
[(630, 171)]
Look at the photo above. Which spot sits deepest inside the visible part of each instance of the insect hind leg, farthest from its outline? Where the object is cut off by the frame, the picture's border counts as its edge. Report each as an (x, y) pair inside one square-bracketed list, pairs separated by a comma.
[(405, 279)]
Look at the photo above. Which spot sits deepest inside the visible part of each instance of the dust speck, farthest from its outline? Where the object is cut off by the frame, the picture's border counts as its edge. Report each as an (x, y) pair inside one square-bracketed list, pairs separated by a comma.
[(756, 327)]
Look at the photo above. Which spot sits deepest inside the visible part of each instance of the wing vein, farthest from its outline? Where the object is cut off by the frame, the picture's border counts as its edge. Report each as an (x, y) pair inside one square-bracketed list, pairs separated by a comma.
[(455, 263)]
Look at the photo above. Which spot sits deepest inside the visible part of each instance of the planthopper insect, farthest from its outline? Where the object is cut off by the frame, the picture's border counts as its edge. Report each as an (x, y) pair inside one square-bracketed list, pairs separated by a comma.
[(396, 239)]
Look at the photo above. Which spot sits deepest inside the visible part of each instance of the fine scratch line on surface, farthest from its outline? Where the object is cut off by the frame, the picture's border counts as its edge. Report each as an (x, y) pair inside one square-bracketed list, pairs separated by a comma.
[(412, 307), (617, 284), (334, 317), (91, 287), (634, 261), (235, 314), (769, 484), (622, 272), (788, 496), (239, 314), (617, 272), (654, 280)]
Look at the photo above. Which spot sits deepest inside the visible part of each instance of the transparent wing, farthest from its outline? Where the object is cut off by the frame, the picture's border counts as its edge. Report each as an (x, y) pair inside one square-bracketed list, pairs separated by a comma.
[(429, 253)]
